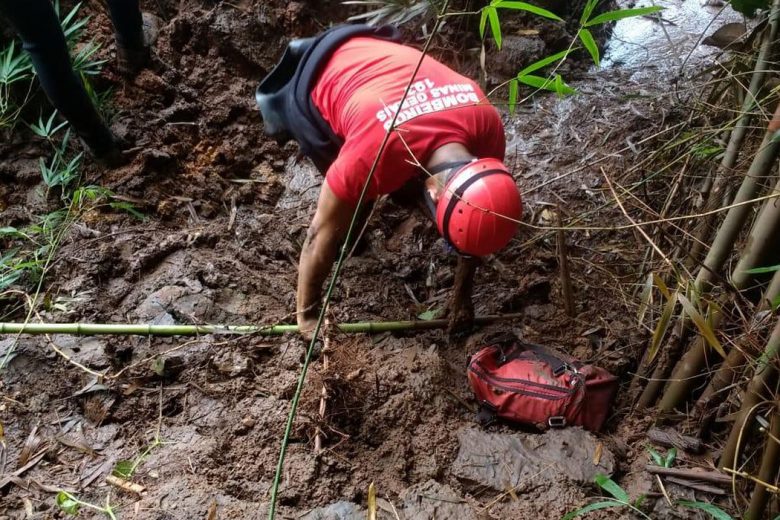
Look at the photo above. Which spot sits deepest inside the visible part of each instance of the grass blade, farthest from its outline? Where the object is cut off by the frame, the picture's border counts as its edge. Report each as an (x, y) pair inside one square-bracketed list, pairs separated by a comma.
[(645, 298), (762, 270)]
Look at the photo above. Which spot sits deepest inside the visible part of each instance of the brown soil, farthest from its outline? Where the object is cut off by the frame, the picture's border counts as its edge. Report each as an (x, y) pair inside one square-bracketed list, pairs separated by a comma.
[(220, 244)]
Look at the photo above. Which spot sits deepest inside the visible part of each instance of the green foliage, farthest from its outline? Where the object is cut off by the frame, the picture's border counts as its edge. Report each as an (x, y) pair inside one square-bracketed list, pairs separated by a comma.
[(714, 511), (489, 13), (613, 16), (67, 503), (762, 270), (590, 44), (620, 496), (46, 129), (665, 461), (749, 7)]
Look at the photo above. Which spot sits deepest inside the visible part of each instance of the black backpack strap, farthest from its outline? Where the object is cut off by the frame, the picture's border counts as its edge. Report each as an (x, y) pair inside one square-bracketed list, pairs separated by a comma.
[(486, 415), (558, 365)]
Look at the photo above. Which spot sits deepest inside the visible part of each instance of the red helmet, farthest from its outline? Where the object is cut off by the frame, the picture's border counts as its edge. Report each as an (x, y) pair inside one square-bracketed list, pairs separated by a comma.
[(478, 210)]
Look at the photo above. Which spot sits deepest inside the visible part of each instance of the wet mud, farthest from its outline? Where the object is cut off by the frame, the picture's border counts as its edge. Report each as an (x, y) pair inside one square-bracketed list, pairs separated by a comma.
[(225, 213)]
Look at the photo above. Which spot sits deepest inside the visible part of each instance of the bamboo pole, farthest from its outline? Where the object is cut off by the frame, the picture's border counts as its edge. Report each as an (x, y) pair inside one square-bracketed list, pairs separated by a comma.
[(714, 193), (762, 243), (731, 368), (94, 329), (767, 472), (762, 378), (722, 246)]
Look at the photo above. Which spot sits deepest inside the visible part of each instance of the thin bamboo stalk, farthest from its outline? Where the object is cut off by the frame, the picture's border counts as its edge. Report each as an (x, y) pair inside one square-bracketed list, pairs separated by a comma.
[(738, 134), (767, 472), (763, 376), (129, 329), (762, 243)]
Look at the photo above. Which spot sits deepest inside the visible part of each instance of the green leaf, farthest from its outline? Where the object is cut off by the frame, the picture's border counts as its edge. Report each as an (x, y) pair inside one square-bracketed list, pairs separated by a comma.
[(589, 7), (671, 455), (587, 40), (619, 14), (123, 469), (660, 329), (593, 507), (611, 487), (543, 84), (430, 314), (513, 86), (483, 16), (776, 303), (67, 503), (544, 62), (712, 510), (657, 458), (659, 282), (704, 328), (9, 231), (762, 270), (495, 26), (522, 6)]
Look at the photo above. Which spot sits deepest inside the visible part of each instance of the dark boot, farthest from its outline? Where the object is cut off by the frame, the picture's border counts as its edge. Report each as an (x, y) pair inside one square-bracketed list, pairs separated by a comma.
[(132, 59)]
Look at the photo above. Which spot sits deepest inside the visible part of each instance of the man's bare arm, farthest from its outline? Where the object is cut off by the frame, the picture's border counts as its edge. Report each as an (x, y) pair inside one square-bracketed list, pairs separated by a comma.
[(461, 307), (323, 238)]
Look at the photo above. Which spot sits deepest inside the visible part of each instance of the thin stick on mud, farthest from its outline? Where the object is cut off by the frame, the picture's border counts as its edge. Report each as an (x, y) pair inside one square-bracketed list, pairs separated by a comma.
[(323, 395), (563, 262)]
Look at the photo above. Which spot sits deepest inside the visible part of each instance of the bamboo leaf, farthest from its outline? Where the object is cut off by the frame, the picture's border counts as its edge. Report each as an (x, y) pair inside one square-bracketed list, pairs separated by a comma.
[(611, 487), (661, 328), (430, 314), (589, 7), (712, 510), (483, 15), (619, 14), (659, 282), (657, 458), (704, 327), (544, 62), (644, 299), (495, 26), (592, 507), (776, 303), (590, 44), (123, 469), (762, 270), (544, 84), (513, 86), (523, 6), (671, 455)]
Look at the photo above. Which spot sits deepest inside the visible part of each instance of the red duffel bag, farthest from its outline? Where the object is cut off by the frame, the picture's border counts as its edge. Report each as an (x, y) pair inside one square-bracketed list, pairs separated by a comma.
[(525, 383)]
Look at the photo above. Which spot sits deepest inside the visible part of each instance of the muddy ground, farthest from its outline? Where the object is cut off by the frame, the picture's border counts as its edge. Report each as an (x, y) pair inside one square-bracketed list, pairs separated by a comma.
[(225, 215)]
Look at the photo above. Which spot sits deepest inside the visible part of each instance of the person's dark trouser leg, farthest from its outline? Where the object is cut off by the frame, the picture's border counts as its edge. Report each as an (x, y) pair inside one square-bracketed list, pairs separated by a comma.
[(126, 17), (37, 25)]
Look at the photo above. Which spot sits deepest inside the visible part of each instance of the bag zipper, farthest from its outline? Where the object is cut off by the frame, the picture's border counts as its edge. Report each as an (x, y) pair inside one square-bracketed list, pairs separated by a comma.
[(490, 380)]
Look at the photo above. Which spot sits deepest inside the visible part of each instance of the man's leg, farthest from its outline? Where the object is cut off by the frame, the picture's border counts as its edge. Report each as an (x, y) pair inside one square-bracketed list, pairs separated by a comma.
[(37, 25), (134, 33)]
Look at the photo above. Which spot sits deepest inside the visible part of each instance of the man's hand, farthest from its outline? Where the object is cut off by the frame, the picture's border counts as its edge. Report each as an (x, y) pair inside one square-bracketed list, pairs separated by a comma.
[(306, 326), (460, 308), (326, 232)]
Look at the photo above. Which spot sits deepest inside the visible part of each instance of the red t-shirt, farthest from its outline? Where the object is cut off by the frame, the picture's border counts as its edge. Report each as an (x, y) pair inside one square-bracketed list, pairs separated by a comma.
[(357, 93)]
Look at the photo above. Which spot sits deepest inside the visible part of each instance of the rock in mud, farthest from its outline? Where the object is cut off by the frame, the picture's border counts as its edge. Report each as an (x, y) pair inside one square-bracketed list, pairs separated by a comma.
[(337, 511), (434, 500), (301, 182), (503, 460)]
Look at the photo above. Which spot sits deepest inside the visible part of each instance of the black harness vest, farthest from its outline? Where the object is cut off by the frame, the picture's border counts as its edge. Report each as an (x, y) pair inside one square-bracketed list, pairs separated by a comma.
[(284, 96)]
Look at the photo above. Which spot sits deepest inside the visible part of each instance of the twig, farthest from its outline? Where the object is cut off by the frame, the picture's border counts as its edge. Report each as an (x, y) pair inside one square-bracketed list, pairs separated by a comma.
[(714, 477), (663, 490), (125, 485), (323, 395), (744, 474)]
